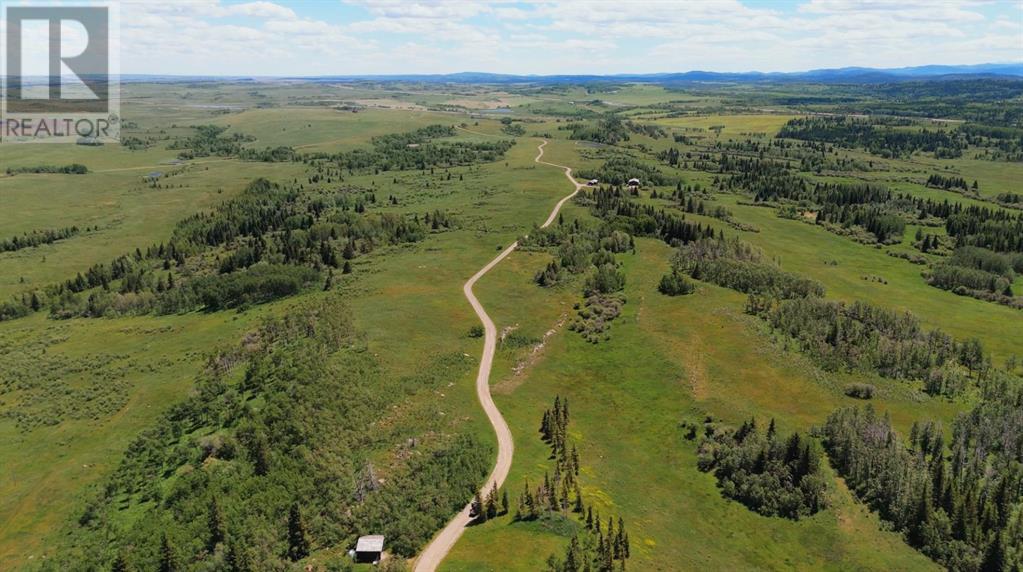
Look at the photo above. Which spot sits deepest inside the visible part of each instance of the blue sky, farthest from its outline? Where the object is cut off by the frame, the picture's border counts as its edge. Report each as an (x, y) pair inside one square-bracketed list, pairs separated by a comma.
[(323, 37)]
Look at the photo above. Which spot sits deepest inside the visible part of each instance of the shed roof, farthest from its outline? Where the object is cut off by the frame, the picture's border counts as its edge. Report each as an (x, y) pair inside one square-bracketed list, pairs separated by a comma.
[(372, 543)]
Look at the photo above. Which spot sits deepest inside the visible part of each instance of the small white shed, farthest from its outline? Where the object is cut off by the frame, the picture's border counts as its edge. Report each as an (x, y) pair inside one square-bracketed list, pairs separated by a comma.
[(369, 548)]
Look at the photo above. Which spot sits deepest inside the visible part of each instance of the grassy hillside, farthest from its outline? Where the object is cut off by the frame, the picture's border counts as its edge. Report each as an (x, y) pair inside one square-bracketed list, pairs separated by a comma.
[(395, 393)]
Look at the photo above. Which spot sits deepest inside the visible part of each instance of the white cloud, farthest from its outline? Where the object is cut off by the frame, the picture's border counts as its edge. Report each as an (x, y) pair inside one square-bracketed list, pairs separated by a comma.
[(585, 36)]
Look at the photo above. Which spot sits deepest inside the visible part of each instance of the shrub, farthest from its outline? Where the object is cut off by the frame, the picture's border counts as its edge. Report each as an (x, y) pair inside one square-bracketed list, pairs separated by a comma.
[(675, 284), (860, 390)]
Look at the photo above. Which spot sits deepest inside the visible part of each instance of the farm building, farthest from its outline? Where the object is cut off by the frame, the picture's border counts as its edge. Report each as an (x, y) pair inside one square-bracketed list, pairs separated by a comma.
[(593, 182), (369, 548)]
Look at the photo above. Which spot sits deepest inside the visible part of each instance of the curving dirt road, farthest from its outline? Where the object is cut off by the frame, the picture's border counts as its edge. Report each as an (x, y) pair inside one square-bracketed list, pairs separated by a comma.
[(439, 547)]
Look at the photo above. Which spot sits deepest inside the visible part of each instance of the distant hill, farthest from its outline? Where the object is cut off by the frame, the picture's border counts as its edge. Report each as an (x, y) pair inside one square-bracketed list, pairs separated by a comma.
[(834, 75), (837, 75)]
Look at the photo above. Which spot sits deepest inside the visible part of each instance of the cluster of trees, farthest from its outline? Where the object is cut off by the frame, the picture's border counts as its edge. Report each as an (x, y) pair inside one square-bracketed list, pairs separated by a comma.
[(860, 336), (875, 136), (648, 129), (484, 509), (71, 169), (675, 283), (510, 127), (993, 228), (609, 130), (621, 212), (1010, 199), (560, 494), (577, 248), (268, 242), (770, 475), (619, 168), (220, 483), (873, 208), (597, 548), (407, 151), (962, 505), (886, 227), (36, 238), (979, 272), (985, 101), (210, 140), (948, 183), (1000, 141), (740, 266), (590, 249), (246, 287)]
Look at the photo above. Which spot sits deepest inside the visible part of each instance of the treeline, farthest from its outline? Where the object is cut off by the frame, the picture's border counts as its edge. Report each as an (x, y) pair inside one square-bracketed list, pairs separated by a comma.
[(246, 287), (72, 169), (961, 504), (771, 475), (37, 238), (875, 137), (259, 468), (740, 266), (862, 337), (873, 208), (987, 101), (598, 547), (407, 151), (840, 207)]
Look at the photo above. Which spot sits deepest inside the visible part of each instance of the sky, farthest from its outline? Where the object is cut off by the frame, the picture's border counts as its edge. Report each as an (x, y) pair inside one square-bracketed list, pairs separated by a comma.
[(339, 37)]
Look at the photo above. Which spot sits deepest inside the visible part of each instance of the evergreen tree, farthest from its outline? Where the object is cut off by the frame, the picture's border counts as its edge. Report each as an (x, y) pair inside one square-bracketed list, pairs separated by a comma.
[(168, 556), (217, 528), (298, 541), (237, 558), (120, 563)]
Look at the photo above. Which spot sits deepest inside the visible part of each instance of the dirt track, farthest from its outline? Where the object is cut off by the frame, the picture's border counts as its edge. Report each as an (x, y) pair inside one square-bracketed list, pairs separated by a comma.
[(439, 547)]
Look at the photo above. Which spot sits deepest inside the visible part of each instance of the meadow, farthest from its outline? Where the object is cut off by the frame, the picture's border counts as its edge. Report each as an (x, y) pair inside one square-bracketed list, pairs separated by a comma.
[(75, 393)]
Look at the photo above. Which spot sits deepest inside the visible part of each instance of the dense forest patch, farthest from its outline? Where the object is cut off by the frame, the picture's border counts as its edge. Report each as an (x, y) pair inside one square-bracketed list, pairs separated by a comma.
[(961, 503), (264, 462), (771, 475)]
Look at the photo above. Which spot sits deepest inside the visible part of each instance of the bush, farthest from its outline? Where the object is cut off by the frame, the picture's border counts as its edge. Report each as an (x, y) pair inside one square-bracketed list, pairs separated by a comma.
[(675, 284), (606, 279), (860, 390)]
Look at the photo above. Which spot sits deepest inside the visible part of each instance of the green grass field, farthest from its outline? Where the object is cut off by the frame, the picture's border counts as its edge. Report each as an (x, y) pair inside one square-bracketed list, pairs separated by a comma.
[(91, 385)]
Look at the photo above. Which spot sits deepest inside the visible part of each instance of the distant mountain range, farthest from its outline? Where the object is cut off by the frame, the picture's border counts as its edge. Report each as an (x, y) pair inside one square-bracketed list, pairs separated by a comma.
[(835, 75)]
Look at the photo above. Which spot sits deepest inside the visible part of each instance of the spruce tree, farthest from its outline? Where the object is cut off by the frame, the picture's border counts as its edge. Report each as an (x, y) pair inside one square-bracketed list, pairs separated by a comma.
[(217, 528), (168, 556), (298, 541), (237, 559), (120, 563)]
